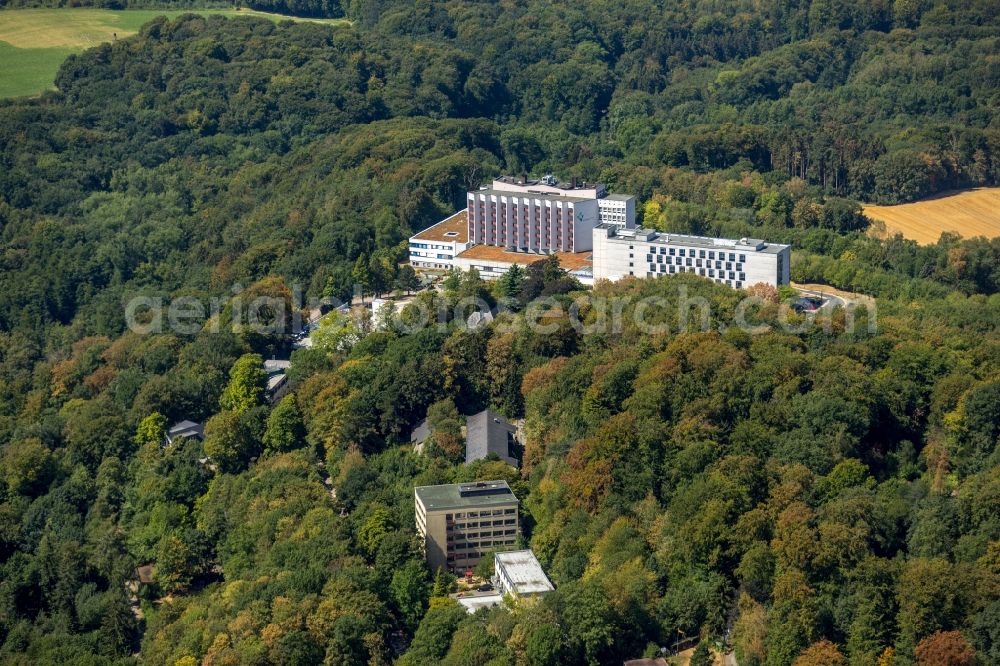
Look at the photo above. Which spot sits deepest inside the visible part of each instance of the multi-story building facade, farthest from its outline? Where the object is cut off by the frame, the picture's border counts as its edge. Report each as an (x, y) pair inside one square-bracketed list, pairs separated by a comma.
[(617, 210), (647, 253), (543, 216), (460, 522), (535, 223), (437, 246)]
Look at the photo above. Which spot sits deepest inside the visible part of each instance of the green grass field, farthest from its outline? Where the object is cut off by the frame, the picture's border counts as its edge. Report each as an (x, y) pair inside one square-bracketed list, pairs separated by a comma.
[(34, 42)]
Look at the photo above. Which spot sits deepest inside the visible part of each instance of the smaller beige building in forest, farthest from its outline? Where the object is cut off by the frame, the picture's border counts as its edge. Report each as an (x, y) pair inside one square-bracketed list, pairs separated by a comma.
[(459, 522)]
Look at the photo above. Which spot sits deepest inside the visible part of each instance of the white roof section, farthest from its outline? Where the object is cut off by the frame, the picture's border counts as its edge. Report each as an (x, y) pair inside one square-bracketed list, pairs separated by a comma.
[(276, 365), (474, 603), (642, 235), (524, 571)]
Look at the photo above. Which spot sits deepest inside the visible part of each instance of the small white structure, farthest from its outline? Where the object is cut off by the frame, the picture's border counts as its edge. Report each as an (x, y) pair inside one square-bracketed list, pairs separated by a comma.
[(519, 573), (275, 370)]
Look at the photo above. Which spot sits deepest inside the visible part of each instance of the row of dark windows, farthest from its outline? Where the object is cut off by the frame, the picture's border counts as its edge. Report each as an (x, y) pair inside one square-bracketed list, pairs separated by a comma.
[(484, 523), (689, 261), (480, 514), (700, 271), (702, 254), (732, 283), (476, 554)]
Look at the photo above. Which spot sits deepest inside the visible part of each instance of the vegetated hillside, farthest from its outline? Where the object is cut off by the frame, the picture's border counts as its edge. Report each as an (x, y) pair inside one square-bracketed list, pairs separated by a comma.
[(835, 487), (195, 125)]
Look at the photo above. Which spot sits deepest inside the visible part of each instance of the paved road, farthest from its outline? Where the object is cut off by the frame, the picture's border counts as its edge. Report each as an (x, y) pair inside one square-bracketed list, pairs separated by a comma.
[(829, 300), (838, 296)]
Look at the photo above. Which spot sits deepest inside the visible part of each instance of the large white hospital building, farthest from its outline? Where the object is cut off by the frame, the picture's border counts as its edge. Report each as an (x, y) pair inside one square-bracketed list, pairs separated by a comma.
[(521, 221), (646, 253), (543, 216)]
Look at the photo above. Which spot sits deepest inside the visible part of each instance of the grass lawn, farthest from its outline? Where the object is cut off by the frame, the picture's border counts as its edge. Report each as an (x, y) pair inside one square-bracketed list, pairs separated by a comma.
[(34, 42)]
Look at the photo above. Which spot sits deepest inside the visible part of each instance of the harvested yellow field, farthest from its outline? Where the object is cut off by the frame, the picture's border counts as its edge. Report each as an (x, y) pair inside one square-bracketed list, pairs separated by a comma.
[(969, 213)]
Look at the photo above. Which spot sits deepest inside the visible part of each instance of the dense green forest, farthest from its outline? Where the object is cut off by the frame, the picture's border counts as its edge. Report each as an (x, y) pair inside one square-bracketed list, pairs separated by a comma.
[(828, 496)]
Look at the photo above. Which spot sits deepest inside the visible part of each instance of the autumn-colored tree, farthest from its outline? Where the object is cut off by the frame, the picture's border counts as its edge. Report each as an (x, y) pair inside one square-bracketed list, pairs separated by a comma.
[(588, 475), (887, 658), (766, 292), (323, 399), (821, 653), (750, 631), (945, 648)]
